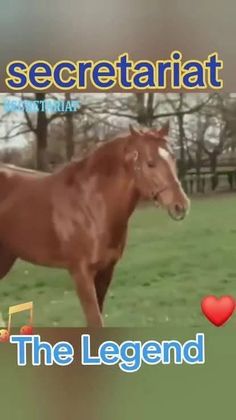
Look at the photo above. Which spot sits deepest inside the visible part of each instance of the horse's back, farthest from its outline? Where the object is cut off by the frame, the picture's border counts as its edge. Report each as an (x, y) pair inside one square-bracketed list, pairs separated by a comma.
[(7, 183), (26, 226), (14, 177)]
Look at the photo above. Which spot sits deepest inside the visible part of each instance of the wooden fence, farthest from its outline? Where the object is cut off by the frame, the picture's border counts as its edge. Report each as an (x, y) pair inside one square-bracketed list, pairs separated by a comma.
[(224, 179)]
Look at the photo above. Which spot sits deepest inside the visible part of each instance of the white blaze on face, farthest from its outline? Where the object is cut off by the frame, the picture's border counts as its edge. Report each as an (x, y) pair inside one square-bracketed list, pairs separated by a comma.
[(167, 157), (163, 153)]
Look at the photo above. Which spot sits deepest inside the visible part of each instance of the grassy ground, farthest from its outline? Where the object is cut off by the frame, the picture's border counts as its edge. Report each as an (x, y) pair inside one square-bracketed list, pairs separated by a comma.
[(166, 270)]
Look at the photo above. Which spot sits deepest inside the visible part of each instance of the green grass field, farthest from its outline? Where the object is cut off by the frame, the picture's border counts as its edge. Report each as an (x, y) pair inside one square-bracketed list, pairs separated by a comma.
[(166, 270)]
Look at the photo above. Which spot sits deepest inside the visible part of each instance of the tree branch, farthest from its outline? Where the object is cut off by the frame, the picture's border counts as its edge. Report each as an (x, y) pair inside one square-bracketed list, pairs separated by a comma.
[(28, 120), (19, 133), (64, 114)]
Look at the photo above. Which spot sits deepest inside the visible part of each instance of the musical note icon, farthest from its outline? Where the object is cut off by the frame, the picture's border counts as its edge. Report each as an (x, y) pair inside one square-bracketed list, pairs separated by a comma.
[(26, 329)]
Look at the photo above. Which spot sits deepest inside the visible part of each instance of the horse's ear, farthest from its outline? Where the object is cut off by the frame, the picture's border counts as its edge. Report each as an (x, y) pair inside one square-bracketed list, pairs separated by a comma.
[(133, 131), (164, 131)]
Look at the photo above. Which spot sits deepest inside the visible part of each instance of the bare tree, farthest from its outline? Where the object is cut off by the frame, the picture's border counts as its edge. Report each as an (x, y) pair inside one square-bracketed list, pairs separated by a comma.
[(38, 124), (69, 131)]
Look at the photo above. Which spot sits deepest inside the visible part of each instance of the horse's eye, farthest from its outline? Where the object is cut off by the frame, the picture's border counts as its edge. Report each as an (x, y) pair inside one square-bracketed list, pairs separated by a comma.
[(151, 164)]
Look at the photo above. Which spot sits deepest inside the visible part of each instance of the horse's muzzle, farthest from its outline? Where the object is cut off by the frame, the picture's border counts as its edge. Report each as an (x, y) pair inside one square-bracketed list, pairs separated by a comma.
[(177, 212)]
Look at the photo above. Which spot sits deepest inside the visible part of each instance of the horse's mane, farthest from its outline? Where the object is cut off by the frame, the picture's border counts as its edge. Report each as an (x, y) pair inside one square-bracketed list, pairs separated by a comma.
[(105, 159)]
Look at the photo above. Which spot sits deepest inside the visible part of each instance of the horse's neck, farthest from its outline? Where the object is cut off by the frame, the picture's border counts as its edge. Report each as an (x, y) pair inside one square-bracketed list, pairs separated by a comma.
[(116, 184), (123, 195), (105, 160), (119, 185), (108, 158)]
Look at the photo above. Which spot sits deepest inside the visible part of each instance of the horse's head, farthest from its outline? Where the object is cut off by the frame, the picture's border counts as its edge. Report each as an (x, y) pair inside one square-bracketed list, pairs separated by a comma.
[(152, 161)]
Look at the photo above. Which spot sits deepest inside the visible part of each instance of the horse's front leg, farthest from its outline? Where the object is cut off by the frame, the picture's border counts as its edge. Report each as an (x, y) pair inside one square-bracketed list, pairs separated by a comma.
[(84, 281), (102, 281)]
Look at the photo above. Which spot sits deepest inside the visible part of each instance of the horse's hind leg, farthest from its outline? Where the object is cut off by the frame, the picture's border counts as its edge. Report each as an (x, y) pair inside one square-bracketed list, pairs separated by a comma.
[(7, 260)]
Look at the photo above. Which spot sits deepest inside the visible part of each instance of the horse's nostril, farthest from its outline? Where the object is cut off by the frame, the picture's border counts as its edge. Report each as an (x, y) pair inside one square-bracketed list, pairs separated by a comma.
[(177, 211), (178, 208)]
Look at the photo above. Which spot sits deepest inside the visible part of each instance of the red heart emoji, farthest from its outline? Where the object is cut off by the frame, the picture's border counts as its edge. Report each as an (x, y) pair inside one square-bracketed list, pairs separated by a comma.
[(218, 310)]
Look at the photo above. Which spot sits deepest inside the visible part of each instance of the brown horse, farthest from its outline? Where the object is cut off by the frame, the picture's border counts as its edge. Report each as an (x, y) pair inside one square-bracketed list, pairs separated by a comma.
[(77, 218)]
